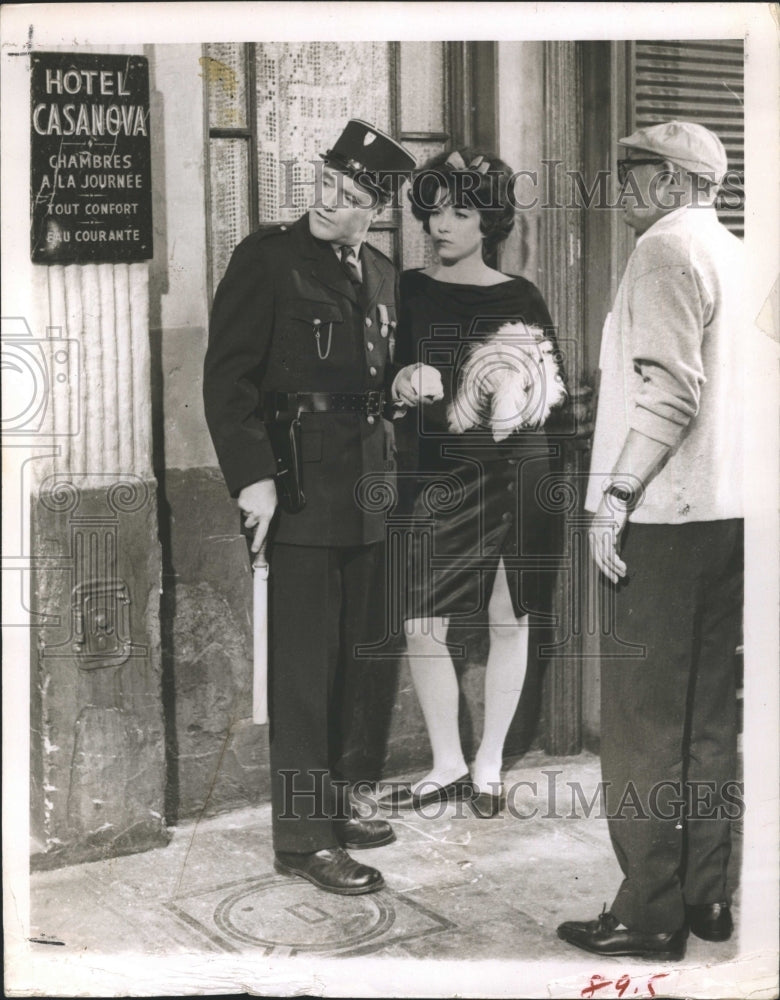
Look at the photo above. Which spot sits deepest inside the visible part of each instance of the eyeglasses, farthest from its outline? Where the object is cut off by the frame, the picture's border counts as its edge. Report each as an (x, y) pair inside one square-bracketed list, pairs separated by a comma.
[(624, 167)]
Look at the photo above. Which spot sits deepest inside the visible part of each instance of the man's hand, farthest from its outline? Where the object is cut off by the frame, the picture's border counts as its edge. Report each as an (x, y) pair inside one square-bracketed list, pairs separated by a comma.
[(604, 537), (258, 503), (418, 383), (639, 460)]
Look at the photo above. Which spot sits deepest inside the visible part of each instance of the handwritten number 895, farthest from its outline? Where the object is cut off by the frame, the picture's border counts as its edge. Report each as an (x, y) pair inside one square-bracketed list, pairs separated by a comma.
[(620, 985)]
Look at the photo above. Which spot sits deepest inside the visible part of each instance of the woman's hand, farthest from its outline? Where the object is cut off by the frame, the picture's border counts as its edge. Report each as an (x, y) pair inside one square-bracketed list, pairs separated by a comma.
[(418, 383)]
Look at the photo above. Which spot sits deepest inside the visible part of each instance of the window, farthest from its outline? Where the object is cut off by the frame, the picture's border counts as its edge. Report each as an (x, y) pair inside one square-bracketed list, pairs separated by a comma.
[(228, 75), (273, 106)]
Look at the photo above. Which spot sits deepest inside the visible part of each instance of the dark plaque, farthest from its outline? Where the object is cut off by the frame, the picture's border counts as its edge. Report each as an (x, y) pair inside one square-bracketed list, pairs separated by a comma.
[(91, 175)]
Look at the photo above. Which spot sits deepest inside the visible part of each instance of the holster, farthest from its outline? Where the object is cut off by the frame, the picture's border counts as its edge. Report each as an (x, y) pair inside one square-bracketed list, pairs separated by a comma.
[(284, 432)]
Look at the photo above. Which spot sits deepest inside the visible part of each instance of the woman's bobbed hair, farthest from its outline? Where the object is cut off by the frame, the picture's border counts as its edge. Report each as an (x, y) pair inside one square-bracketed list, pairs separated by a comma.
[(467, 178)]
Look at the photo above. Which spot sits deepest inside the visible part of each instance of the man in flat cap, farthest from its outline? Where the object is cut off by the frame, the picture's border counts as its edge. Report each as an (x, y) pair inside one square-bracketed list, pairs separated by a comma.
[(666, 492), (294, 388)]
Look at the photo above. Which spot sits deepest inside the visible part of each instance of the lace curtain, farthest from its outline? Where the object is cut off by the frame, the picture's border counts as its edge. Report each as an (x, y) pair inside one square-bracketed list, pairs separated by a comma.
[(306, 91)]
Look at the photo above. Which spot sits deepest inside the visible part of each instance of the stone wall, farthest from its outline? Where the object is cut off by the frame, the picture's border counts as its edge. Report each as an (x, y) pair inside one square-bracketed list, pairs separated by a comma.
[(97, 733), (216, 758)]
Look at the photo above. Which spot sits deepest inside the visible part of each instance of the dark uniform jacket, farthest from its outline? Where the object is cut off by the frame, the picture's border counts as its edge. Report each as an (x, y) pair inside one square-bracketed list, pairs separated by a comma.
[(287, 318)]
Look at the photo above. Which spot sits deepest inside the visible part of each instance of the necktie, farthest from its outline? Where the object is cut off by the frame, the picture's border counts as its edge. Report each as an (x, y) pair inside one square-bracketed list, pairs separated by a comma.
[(349, 260)]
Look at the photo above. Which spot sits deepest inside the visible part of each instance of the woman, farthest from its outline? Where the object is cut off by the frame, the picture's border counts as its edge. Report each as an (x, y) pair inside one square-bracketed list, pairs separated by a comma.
[(477, 515)]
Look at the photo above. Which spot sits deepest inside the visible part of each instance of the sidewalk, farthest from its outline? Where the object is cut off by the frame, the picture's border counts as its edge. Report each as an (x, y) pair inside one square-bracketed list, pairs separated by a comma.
[(458, 888)]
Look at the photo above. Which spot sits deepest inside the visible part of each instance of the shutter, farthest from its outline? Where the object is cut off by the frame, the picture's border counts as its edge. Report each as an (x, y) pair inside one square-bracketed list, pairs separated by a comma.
[(703, 82)]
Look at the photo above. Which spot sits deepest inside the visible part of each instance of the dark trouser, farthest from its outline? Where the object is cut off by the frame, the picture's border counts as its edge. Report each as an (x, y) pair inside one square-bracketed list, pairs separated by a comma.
[(323, 603), (670, 716)]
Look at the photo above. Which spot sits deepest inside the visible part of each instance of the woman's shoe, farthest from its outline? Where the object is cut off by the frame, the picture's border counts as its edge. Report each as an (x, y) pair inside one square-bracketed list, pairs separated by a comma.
[(486, 805), (461, 788), (404, 798)]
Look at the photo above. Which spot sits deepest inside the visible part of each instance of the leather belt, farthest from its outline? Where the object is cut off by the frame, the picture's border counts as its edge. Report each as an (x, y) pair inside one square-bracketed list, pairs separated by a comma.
[(289, 404)]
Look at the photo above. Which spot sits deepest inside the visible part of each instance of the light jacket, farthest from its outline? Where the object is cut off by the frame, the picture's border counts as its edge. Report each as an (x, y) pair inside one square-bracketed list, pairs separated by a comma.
[(671, 368)]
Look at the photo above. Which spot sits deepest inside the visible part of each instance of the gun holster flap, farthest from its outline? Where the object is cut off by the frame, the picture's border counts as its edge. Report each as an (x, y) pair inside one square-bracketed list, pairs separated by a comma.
[(285, 435)]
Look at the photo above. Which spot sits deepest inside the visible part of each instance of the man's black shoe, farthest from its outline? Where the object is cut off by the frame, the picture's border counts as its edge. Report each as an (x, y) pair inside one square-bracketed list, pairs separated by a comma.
[(356, 834), (331, 869), (403, 798), (602, 937), (710, 921)]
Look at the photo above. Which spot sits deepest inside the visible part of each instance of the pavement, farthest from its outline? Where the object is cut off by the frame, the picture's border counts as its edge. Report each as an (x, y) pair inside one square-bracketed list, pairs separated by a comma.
[(470, 907)]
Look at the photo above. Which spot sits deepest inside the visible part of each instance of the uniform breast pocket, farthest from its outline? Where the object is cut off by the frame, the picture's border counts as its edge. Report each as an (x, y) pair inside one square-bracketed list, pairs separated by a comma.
[(315, 330)]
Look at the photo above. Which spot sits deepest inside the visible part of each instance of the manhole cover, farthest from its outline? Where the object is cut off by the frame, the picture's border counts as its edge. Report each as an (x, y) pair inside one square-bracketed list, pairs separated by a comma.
[(271, 915)]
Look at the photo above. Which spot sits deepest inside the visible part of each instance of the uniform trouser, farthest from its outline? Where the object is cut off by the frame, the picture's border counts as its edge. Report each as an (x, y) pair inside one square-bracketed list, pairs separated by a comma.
[(324, 602), (668, 718)]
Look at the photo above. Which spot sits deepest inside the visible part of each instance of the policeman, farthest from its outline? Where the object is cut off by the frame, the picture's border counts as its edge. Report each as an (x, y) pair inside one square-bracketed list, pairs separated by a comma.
[(295, 380)]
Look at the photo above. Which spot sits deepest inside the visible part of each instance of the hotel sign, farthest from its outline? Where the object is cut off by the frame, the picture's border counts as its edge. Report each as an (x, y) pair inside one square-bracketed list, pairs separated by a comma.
[(91, 176)]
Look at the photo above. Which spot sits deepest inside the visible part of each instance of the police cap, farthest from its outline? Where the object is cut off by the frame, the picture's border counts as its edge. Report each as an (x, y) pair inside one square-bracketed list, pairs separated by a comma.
[(370, 155)]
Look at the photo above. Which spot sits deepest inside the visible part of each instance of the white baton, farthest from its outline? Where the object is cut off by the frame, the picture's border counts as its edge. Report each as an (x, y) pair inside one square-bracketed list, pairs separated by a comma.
[(260, 646)]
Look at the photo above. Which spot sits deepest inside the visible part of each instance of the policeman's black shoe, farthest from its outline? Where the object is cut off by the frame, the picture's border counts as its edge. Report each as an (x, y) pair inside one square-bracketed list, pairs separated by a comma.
[(332, 870), (602, 937), (710, 921), (403, 797), (357, 834)]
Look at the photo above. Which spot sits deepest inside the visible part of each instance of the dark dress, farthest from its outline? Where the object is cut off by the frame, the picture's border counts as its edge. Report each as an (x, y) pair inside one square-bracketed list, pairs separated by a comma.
[(473, 500)]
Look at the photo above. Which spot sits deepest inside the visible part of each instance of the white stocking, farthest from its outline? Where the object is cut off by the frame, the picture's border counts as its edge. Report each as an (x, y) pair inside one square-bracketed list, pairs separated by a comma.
[(436, 684), (504, 676)]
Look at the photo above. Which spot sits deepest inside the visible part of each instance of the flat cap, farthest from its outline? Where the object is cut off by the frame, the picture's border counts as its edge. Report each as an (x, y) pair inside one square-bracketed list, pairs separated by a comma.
[(686, 144), (364, 150)]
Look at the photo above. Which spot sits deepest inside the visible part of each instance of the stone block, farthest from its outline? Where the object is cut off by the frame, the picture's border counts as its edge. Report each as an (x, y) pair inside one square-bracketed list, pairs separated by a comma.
[(112, 750), (97, 733), (217, 759)]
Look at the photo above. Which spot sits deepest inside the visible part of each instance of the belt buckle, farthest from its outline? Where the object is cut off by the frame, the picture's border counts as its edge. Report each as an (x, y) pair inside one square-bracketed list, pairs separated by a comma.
[(373, 403)]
